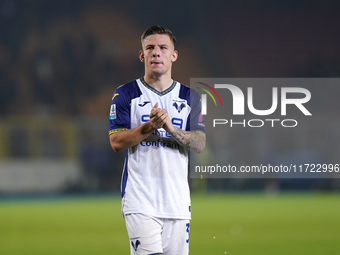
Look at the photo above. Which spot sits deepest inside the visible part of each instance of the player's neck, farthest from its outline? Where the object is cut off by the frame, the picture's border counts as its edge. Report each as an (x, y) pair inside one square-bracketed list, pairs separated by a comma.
[(160, 83)]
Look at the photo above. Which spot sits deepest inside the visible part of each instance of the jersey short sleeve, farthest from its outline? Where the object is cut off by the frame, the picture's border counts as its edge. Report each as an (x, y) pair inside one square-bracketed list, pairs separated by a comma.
[(120, 109), (195, 120), (119, 118)]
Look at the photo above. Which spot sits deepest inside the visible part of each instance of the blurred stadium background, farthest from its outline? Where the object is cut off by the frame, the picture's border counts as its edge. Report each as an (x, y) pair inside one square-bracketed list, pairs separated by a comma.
[(60, 62)]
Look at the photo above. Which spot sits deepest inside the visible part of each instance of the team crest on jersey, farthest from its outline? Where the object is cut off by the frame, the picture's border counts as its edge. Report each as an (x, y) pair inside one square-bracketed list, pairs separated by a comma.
[(179, 105), (113, 114)]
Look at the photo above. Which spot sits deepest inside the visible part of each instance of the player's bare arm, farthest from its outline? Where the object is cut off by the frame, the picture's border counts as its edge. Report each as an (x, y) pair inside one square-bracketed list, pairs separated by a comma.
[(191, 140), (125, 139)]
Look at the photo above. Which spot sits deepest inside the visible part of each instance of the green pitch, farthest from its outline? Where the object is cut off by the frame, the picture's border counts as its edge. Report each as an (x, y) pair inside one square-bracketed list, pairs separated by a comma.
[(222, 224)]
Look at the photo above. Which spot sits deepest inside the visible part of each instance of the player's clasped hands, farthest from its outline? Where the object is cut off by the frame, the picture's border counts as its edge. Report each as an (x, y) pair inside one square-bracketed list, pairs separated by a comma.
[(159, 118)]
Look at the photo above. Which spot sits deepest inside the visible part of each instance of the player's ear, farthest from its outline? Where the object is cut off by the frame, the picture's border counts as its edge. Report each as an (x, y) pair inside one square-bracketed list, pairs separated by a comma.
[(174, 55), (141, 55)]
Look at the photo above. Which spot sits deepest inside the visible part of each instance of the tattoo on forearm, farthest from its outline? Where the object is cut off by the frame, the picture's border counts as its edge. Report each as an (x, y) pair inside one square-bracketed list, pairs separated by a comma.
[(190, 140)]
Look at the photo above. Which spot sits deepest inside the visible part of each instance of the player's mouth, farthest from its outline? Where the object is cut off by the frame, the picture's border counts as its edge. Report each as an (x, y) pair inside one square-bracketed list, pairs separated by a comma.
[(156, 63)]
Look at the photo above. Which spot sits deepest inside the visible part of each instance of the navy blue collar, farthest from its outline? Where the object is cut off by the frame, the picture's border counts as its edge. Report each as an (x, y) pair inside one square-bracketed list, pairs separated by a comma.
[(156, 91)]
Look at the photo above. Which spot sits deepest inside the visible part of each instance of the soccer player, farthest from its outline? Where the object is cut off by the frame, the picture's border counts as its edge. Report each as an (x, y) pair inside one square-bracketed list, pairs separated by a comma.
[(156, 120)]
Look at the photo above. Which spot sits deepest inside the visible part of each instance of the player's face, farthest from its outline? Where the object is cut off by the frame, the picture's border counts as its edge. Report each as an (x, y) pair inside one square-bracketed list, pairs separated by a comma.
[(158, 54)]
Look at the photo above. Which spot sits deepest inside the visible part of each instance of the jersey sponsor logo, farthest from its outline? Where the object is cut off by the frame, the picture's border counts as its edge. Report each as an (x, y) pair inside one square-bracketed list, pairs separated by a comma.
[(175, 121), (113, 114), (144, 103), (161, 132), (136, 244), (159, 143), (179, 105)]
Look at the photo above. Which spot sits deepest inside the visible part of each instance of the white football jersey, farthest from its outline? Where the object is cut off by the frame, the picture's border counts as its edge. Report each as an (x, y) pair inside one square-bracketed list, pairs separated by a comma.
[(155, 175)]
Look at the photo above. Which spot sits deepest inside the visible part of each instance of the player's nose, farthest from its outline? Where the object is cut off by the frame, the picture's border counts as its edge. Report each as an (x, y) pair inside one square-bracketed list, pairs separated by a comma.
[(156, 51)]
